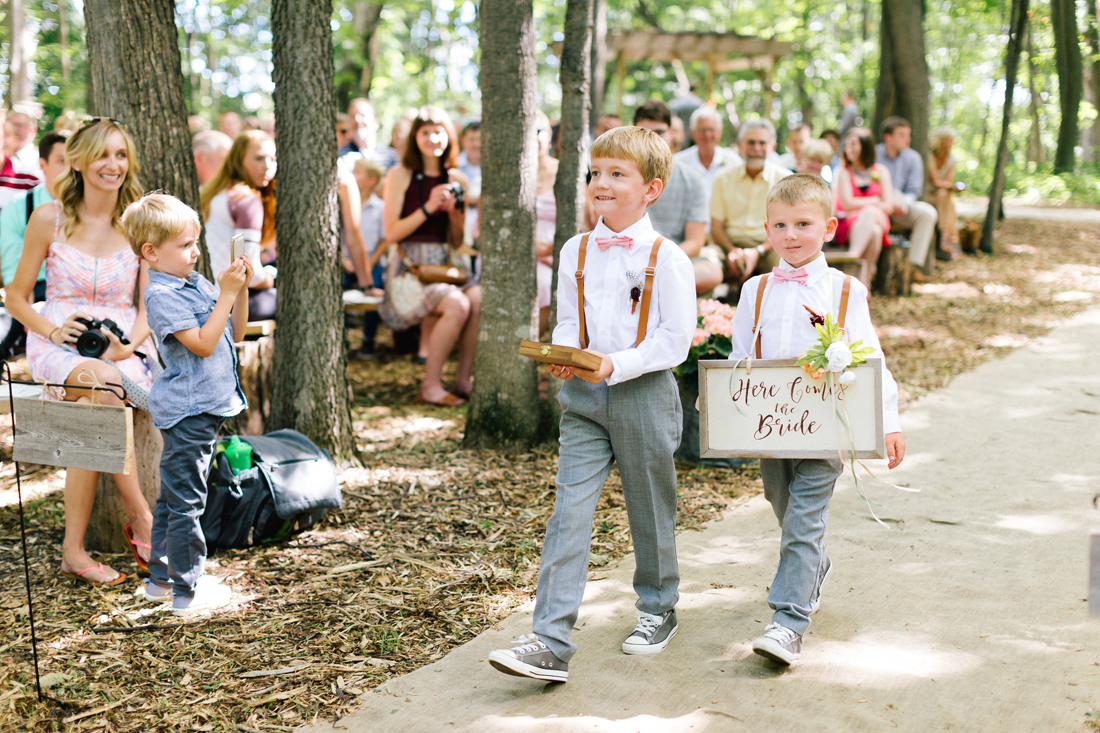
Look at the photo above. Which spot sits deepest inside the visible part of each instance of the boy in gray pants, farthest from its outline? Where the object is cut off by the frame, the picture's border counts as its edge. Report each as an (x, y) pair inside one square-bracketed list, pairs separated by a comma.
[(631, 301)]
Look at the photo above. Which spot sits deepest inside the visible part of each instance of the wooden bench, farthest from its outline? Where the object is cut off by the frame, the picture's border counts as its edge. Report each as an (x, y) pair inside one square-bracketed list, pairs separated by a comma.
[(356, 301)]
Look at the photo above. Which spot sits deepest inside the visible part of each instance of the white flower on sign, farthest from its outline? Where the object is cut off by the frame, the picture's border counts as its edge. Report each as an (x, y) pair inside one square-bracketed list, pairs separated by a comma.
[(838, 356), (847, 378)]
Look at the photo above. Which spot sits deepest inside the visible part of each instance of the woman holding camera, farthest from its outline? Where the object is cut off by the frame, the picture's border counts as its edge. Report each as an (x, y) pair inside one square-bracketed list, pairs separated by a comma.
[(422, 211), (91, 273)]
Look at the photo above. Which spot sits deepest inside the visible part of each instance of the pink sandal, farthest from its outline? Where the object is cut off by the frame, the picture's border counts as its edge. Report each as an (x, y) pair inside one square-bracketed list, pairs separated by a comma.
[(135, 544), (79, 575)]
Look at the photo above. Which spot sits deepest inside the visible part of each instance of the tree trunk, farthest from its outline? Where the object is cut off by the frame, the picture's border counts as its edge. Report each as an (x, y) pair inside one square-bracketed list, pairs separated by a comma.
[(109, 512), (366, 16), (310, 389), (1016, 30), (63, 50), (1067, 59), (134, 66), (503, 409), (598, 56), (903, 87), (19, 83), (1035, 150), (1093, 35), (569, 186)]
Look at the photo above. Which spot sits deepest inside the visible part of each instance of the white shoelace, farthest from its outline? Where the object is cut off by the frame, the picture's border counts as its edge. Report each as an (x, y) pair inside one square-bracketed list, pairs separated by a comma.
[(526, 643), (780, 633), (648, 623)]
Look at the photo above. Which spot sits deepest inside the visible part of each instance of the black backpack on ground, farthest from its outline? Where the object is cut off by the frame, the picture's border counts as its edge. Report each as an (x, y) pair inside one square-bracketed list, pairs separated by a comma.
[(290, 487)]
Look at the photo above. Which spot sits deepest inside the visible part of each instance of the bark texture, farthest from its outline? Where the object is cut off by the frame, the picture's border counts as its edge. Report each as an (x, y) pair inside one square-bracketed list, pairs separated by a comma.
[(310, 390), (19, 83), (1016, 30), (903, 86), (105, 526), (598, 55), (1067, 59), (134, 67), (503, 409)]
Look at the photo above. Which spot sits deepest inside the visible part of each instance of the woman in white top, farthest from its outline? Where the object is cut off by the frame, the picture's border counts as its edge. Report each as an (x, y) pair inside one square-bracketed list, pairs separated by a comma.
[(240, 199)]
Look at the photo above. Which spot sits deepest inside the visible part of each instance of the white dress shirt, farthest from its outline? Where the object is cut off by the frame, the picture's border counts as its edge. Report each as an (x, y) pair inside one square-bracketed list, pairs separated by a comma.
[(786, 331), (612, 329)]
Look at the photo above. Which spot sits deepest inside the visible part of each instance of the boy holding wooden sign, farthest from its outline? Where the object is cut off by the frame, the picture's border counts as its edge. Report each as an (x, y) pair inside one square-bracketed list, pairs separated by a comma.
[(630, 302), (774, 321), (194, 394)]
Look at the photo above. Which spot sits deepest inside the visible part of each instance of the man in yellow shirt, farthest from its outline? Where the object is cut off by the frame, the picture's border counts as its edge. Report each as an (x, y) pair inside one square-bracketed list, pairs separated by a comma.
[(737, 204)]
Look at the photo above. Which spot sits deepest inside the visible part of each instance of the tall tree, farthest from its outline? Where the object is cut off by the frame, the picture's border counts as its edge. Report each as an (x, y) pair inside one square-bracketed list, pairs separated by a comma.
[(502, 411), (19, 83), (1016, 29), (598, 55), (903, 87), (1093, 36), (134, 67), (366, 16), (1067, 59), (1035, 150), (310, 389)]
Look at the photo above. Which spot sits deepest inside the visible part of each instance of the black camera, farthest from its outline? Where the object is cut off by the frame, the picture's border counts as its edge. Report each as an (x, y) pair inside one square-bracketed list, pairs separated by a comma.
[(459, 192), (92, 343)]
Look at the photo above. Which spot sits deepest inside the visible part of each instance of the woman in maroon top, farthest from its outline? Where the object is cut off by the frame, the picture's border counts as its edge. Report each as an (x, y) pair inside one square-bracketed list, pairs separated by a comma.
[(418, 204)]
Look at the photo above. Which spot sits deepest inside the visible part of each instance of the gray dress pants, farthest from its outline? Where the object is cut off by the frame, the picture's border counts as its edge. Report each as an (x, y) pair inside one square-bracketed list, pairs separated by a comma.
[(636, 423), (799, 491)]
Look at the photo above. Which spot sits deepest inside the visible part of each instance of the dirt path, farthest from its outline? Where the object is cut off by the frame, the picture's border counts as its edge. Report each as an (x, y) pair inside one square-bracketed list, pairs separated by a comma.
[(976, 208), (969, 613)]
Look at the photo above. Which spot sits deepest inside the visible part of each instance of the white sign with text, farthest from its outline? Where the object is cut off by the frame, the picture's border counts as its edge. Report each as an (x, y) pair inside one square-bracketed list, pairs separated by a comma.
[(786, 412)]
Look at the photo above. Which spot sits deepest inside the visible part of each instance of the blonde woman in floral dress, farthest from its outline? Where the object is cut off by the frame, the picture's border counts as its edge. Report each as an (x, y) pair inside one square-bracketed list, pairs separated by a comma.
[(91, 272)]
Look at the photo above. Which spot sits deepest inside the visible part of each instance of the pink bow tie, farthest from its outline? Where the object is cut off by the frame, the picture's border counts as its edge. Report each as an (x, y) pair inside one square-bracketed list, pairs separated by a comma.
[(604, 242), (799, 276)]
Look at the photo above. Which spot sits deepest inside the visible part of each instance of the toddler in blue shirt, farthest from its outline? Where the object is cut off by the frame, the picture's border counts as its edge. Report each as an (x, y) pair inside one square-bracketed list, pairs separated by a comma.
[(198, 389)]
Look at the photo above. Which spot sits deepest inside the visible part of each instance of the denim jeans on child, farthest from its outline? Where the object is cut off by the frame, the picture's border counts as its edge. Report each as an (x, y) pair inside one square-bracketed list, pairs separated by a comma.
[(636, 424), (799, 491), (179, 547)]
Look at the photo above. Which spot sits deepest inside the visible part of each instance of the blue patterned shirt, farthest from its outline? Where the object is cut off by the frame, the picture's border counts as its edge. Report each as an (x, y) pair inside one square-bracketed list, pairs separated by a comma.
[(190, 384)]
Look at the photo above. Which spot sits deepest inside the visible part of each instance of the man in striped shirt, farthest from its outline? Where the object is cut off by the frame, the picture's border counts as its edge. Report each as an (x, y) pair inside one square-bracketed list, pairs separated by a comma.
[(16, 175)]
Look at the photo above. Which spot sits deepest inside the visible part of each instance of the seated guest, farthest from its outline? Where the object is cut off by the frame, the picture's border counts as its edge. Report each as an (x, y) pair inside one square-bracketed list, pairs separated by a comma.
[(863, 194), (676, 135), (706, 157), (469, 162), (210, 148), (343, 130), (363, 135), (680, 213), (939, 185), (737, 204), (13, 225), (16, 176), (418, 204), (24, 128), (367, 176), (240, 199), (796, 138), (230, 124), (907, 172), (816, 155)]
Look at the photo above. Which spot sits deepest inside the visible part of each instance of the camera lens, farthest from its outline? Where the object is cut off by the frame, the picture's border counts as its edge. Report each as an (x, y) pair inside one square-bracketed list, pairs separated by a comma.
[(92, 343)]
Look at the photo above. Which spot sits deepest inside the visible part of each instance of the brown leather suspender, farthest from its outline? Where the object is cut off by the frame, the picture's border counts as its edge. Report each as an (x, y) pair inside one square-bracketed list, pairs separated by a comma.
[(756, 320), (843, 313), (647, 291), (643, 317), (844, 300), (580, 290)]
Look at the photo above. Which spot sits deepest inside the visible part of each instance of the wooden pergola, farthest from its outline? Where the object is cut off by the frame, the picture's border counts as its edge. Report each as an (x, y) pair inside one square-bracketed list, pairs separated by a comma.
[(722, 52)]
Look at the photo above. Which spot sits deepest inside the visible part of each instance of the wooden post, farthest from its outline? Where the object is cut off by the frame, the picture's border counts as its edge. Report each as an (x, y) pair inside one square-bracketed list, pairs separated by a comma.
[(109, 514)]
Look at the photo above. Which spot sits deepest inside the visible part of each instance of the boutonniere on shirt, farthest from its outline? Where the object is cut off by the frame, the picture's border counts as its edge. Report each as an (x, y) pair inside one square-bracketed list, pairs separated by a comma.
[(635, 280)]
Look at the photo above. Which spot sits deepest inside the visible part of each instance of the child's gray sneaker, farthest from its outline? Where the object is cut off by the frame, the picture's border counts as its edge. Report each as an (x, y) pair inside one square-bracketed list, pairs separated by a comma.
[(530, 658), (155, 592), (779, 644), (826, 571), (208, 596), (652, 634)]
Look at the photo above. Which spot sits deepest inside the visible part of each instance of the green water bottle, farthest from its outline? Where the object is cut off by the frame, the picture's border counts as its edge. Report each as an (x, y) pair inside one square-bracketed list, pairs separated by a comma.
[(239, 454)]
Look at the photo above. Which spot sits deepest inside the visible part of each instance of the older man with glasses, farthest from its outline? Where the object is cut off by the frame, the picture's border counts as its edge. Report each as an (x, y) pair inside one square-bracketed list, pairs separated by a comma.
[(738, 208), (680, 213)]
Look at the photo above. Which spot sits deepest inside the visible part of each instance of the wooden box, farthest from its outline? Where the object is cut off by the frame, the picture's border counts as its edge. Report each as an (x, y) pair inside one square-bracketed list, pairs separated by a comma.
[(563, 355)]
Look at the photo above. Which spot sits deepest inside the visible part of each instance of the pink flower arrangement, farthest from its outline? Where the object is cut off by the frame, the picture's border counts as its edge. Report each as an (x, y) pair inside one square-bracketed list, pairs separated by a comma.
[(713, 337)]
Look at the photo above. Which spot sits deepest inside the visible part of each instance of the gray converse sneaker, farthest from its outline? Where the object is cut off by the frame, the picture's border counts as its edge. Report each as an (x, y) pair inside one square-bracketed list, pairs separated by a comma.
[(779, 644), (826, 571), (530, 658), (155, 592), (652, 634)]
